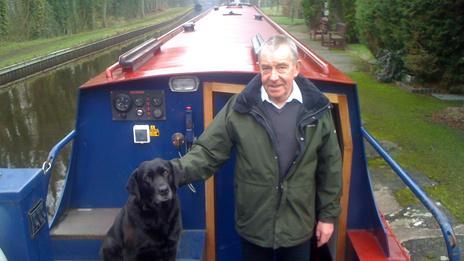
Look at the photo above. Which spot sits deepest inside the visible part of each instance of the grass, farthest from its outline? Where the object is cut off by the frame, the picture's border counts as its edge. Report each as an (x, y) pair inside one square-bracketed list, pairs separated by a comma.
[(16, 52), (405, 197), (273, 11), (282, 20), (276, 15), (360, 51), (429, 148)]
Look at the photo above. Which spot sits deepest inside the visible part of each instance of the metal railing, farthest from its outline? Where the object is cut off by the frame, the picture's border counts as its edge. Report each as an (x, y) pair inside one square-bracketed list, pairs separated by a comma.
[(48, 164), (443, 221)]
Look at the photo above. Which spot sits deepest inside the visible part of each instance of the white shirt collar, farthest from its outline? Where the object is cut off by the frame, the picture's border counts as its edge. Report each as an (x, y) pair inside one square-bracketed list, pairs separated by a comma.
[(296, 94)]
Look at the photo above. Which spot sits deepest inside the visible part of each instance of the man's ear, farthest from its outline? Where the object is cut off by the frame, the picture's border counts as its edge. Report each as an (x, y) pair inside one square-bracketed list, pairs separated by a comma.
[(132, 185), (297, 68)]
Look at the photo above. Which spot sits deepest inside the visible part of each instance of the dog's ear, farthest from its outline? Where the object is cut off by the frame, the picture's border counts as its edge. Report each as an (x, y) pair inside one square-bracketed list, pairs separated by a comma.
[(172, 177), (133, 185)]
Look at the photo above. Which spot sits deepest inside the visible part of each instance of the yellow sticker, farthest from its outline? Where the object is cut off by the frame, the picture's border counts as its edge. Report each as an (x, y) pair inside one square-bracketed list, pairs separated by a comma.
[(154, 132)]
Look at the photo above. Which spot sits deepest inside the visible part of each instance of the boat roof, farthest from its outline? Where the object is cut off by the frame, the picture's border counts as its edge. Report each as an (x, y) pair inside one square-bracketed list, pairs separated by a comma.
[(221, 42)]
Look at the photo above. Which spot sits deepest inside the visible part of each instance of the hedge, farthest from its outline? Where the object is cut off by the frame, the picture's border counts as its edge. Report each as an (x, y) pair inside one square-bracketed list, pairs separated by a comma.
[(429, 35)]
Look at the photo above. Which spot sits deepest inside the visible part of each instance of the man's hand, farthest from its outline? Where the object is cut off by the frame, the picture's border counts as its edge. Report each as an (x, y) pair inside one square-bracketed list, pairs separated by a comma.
[(323, 232)]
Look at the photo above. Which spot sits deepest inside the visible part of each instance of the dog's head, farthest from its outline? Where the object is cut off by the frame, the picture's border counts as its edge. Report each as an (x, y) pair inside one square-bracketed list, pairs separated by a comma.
[(152, 183)]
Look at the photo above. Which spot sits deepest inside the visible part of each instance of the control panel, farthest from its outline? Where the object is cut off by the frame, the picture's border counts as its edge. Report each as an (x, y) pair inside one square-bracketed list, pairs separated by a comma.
[(138, 105)]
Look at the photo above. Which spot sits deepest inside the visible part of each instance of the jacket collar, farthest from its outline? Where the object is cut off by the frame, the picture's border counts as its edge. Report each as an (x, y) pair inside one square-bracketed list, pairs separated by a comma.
[(313, 99)]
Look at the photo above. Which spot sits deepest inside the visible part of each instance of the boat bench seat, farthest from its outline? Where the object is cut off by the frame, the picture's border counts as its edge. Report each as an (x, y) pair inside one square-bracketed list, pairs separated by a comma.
[(93, 224)]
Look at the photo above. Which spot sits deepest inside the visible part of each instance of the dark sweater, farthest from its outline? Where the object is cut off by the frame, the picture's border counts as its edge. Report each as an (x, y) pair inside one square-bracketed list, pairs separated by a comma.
[(283, 122)]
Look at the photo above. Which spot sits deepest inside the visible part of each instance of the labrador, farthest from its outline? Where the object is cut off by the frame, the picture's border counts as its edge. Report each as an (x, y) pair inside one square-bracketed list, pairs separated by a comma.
[(148, 227)]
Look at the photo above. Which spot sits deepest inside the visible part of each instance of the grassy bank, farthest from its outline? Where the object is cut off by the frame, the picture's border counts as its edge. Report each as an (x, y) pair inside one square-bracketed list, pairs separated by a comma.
[(429, 148), (15, 52)]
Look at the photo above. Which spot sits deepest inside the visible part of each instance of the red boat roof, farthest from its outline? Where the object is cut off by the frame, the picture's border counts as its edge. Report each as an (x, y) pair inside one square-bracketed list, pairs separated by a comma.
[(220, 43)]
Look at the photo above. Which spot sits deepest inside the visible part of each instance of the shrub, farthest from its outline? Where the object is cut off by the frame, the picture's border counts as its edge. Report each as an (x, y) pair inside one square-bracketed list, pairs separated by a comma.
[(3, 19), (429, 33), (312, 12)]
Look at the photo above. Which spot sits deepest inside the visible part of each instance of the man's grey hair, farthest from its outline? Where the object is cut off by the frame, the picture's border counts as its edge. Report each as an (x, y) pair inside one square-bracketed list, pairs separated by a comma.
[(276, 41)]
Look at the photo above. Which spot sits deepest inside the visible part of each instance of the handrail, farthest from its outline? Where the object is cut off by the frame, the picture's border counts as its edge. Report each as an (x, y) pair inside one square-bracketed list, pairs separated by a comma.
[(109, 71), (48, 164), (440, 217), (138, 55)]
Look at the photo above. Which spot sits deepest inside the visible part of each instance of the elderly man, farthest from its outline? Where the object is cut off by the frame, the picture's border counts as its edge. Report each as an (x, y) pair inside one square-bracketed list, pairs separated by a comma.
[(288, 163)]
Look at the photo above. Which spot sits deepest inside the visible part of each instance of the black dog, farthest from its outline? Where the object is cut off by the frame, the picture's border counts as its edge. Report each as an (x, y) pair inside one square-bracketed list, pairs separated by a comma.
[(148, 227)]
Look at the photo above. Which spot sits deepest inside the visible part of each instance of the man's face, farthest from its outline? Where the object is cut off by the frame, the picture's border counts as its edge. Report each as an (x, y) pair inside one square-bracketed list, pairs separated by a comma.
[(278, 72)]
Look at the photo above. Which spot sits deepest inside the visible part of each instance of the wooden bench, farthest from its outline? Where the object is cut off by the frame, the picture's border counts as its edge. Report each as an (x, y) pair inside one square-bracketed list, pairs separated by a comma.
[(322, 30), (337, 38)]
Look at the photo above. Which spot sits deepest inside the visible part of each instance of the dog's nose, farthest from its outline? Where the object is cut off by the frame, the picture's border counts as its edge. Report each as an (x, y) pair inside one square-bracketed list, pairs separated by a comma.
[(164, 190)]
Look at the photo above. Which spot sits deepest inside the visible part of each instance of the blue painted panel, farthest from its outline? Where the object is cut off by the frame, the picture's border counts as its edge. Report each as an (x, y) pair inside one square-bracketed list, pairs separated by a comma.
[(104, 154), (227, 240), (20, 191), (15, 184), (191, 247), (76, 249)]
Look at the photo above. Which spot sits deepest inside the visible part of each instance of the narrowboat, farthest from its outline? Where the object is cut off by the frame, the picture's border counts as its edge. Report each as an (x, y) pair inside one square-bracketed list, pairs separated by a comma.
[(153, 102)]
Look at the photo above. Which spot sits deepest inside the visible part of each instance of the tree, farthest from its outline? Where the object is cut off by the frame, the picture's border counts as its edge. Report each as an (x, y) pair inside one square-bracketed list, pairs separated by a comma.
[(427, 35), (37, 13), (312, 12), (142, 8), (3, 20)]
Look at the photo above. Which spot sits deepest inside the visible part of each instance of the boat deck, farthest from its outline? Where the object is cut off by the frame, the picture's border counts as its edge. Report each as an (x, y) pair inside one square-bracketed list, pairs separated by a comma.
[(84, 223)]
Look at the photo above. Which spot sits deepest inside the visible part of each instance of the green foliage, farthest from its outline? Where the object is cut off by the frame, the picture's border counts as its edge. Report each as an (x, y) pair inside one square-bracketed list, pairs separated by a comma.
[(14, 52), (3, 20), (312, 12), (38, 13), (32, 19), (428, 33), (389, 65)]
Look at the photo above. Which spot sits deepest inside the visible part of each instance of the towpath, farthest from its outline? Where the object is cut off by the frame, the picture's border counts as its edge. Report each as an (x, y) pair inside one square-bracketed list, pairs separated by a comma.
[(414, 226)]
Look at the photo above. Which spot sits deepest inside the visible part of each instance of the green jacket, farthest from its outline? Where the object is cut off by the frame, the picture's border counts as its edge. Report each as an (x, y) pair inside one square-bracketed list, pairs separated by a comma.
[(272, 211)]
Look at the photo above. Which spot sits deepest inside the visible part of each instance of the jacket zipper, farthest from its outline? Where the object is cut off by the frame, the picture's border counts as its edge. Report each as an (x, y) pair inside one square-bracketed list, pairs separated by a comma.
[(279, 188), (281, 177), (300, 134)]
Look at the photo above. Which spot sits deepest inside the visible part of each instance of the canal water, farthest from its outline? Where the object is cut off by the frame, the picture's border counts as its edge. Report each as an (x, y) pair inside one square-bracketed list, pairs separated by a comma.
[(38, 112)]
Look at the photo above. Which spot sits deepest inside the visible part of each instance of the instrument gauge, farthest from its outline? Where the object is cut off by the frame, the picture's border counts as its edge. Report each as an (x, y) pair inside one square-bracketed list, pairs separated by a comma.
[(122, 102), (157, 101), (139, 101)]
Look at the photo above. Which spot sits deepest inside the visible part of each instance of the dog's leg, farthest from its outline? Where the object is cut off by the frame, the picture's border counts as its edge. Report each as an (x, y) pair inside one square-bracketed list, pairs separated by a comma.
[(111, 250)]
